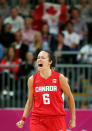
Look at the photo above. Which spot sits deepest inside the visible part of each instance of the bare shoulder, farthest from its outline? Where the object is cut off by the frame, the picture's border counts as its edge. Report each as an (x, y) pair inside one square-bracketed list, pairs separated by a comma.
[(30, 78), (64, 85), (62, 77), (30, 81), (63, 81)]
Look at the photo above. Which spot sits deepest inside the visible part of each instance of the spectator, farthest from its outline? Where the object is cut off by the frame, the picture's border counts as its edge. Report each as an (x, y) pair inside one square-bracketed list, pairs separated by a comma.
[(38, 44), (23, 8), (20, 48), (7, 37), (27, 66), (4, 9), (7, 70), (9, 61), (45, 33), (16, 21), (38, 24), (35, 13), (80, 26), (83, 8), (85, 55), (28, 33), (72, 39), (53, 26), (47, 37), (61, 58), (65, 15), (31, 11), (64, 11)]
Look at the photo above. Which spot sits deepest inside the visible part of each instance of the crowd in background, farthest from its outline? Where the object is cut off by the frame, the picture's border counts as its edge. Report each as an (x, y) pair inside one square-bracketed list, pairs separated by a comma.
[(24, 32)]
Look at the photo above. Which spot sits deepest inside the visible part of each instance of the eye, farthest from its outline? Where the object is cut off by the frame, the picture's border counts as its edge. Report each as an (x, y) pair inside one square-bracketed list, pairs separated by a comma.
[(41, 57)]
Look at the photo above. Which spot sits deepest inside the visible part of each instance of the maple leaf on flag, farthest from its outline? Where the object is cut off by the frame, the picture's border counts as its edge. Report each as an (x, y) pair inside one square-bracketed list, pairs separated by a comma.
[(51, 10)]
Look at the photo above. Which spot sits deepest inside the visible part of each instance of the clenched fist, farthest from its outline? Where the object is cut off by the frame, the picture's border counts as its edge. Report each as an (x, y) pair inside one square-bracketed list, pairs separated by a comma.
[(72, 124), (20, 124)]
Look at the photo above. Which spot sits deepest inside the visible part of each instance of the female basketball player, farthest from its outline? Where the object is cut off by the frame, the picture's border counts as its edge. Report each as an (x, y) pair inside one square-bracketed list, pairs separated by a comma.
[(45, 98)]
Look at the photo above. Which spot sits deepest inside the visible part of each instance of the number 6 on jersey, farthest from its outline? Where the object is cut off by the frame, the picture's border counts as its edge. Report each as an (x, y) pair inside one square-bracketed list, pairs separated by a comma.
[(46, 99)]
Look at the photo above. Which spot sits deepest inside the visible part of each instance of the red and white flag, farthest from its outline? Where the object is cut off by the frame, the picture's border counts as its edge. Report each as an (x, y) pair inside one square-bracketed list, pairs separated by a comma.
[(51, 11)]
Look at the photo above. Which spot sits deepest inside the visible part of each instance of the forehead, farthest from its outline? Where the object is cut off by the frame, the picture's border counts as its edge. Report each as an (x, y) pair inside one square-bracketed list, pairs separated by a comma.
[(13, 9), (60, 35), (45, 26), (69, 24), (11, 50), (43, 53), (18, 34), (75, 11)]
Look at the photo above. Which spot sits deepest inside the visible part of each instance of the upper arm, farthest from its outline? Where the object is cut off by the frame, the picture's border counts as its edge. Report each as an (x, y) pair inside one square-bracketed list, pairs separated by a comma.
[(65, 86), (30, 89)]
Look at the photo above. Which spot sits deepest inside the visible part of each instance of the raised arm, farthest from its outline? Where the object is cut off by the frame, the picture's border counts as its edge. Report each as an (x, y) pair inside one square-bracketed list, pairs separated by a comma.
[(29, 103), (66, 89)]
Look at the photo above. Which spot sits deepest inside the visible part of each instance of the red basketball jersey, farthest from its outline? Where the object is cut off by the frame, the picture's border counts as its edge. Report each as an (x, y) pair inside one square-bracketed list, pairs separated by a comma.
[(47, 95)]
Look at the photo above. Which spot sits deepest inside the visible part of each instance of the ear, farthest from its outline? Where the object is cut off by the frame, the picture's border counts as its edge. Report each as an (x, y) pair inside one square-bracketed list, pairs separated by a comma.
[(50, 62)]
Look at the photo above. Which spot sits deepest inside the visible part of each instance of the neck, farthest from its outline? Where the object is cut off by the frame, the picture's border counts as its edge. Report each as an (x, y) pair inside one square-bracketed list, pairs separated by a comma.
[(14, 17), (46, 73), (70, 32)]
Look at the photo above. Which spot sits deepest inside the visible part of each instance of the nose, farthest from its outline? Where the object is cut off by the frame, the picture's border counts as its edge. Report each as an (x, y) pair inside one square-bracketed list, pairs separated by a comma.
[(39, 60)]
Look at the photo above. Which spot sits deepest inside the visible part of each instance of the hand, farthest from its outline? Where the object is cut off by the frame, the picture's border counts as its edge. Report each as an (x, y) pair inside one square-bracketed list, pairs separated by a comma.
[(72, 124), (20, 124)]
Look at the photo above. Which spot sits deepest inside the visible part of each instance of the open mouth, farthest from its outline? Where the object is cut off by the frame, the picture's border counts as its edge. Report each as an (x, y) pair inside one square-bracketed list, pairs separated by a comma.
[(40, 65)]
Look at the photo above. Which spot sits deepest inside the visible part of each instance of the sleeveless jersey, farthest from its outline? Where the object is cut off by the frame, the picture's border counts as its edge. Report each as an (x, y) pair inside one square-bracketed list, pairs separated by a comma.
[(47, 95)]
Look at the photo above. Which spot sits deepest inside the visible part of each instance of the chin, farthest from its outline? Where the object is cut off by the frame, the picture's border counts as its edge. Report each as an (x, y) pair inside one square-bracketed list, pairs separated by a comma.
[(40, 68)]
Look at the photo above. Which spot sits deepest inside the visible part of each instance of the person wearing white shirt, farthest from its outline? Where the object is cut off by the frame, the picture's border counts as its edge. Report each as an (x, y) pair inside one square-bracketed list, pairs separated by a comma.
[(85, 55), (16, 21), (72, 39)]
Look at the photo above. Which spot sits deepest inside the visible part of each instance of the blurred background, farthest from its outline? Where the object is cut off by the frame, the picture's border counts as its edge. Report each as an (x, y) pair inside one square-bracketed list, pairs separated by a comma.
[(28, 26)]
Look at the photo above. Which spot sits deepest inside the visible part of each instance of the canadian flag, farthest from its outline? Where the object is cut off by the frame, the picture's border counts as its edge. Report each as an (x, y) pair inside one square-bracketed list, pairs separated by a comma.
[(51, 11)]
